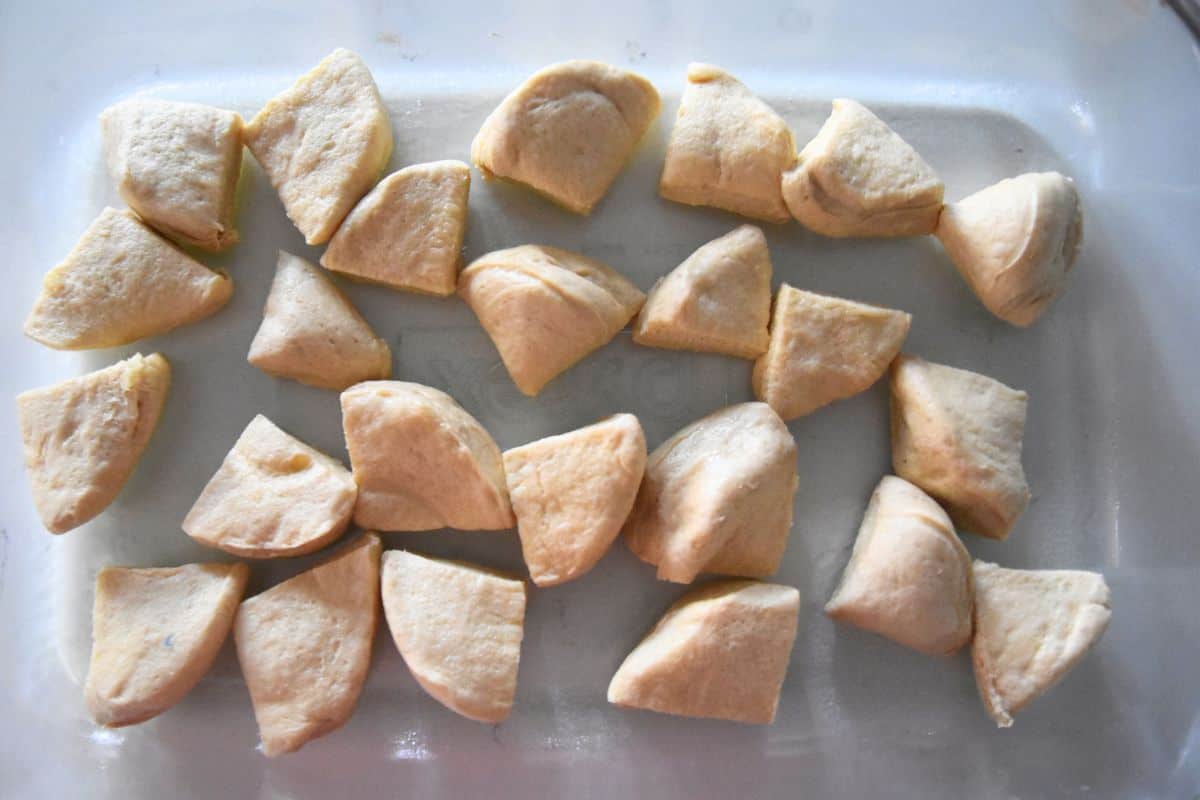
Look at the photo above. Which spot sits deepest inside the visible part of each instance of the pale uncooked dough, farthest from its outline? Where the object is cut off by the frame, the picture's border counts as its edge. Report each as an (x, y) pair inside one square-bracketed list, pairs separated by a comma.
[(720, 651), (155, 633), (83, 437)]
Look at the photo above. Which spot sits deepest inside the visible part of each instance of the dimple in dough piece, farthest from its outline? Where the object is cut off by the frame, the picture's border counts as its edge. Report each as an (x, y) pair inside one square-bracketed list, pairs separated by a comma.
[(957, 435), (459, 630), (717, 497), (1015, 241), (420, 461), (728, 149), (312, 334), (824, 349), (155, 633), (177, 165), (720, 651), (857, 177), (567, 131), (305, 647), (1031, 628), (407, 233), (909, 577), (718, 300), (122, 282), (571, 494), (83, 437), (323, 143), (545, 309), (273, 495)]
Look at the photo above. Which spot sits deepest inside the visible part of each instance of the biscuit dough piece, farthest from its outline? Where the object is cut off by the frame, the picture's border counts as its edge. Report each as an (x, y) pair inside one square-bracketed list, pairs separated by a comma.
[(305, 647), (571, 494), (1031, 628), (728, 149), (957, 435), (567, 131), (1015, 241), (857, 177), (323, 143), (407, 233), (155, 633), (459, 629), (177, 165), (909, 577), (824, 349), (273, 496), (716, 301), (83, 437), (122, 282), (720, 651), (312, 334), (546, 308), (421, 462), (717, 497)]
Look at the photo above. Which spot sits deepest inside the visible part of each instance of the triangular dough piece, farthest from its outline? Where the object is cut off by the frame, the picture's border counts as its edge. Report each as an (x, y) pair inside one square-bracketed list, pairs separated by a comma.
[(122, 282), (312, 334), (305, 647), (717, 497), (420, 461), (717, 301), (909, 577), (177, 165), (1031, 628), (83, 437), (857, 177), (571, 494), (273, 496), (824, 349), (407, 233), (459, 629), (323, 143), (720, 651), (155, 633), (1015, 241), (567, 131), (728, 149), (957, 435), (546, 308)]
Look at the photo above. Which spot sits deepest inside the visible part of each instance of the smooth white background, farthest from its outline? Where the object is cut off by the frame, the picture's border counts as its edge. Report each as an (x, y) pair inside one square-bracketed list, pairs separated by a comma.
[(1108, 91)]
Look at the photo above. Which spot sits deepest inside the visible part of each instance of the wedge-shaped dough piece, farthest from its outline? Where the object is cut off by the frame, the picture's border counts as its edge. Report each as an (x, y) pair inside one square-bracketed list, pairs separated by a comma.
[(458, 628), (1015, 241), (546, 308), (857, 177), (312, 334), (571, 494), (407, 233), (957, 435), (909, 577), (720, 651), (177, 165), (155, 633), (1031, 628), (273, 496), (305, 647), (824, 349), (420, 461), (716, 301), (83, 437), (567, 131), (122, 282), (323, 143), (728, 149), (717, 497)]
